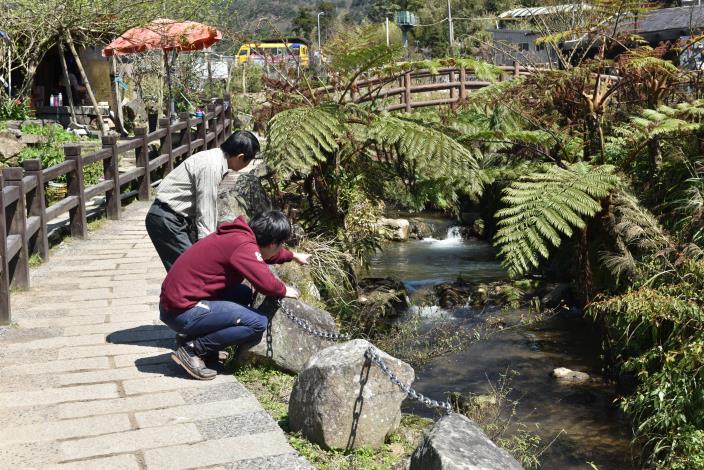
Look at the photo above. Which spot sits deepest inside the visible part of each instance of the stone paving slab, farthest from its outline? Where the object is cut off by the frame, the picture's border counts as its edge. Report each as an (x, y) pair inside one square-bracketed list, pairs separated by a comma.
[(86, 378)]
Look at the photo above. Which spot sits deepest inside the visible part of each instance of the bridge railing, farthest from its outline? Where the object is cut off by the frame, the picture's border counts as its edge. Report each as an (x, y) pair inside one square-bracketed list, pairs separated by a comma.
[(24, 215), (457, 81)]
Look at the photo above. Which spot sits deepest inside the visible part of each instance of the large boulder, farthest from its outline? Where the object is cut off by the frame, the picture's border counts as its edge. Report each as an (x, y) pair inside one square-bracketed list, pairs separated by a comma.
[(456, 443), (289, 347), (341, 400), (10, 146), (241, 194), (394, 229)]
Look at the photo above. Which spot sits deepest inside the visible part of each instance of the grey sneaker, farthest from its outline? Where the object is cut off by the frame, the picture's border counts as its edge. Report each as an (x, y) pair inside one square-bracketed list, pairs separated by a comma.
[(187, 358)]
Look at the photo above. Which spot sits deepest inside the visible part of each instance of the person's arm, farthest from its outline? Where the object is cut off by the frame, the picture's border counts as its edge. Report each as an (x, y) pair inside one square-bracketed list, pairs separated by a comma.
[(248, 261), (283, 256), (206, 195)]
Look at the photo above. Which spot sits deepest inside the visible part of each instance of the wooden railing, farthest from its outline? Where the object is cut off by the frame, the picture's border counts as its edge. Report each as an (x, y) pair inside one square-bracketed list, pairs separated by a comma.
[(24, 215), (457, 81)]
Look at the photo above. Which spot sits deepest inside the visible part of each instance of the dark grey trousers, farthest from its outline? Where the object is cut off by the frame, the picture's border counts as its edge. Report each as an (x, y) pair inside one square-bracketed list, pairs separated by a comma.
[(171, 233)]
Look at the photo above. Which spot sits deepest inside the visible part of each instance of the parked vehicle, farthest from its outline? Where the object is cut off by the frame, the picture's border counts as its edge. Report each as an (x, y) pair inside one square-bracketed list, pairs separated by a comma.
[(293, 52)]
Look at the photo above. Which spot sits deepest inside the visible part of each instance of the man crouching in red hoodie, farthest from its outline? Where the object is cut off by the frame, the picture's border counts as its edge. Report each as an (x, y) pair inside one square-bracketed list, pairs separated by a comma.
[(203, 298)]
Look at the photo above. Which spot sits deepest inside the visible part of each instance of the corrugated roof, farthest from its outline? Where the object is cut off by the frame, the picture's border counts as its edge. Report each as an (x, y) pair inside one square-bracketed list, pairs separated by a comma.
[(527, 12)]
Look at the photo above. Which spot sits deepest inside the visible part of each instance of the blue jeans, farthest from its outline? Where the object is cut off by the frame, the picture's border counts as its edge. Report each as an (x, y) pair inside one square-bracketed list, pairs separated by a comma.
[(214, 324)]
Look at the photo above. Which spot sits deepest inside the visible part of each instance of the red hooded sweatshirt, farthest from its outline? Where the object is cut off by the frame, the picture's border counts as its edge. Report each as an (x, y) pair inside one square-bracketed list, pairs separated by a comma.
[(222, 259)]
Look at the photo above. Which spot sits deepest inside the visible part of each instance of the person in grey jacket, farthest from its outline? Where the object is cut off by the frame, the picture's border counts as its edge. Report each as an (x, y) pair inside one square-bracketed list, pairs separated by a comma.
[(185, 208)]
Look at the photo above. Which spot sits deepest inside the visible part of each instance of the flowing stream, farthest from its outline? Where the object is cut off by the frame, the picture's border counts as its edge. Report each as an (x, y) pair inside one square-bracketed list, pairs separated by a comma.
[(581, 419)]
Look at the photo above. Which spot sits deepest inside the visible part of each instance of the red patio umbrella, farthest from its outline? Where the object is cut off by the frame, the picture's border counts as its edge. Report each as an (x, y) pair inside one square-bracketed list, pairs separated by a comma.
[(167, 35)]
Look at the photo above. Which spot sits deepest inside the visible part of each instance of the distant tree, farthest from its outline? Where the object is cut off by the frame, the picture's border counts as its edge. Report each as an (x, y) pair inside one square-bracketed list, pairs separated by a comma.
[(304, 23)]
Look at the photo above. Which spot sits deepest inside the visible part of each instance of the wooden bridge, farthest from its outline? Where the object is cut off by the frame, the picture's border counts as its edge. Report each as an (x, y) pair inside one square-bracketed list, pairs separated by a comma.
[(411, 88)]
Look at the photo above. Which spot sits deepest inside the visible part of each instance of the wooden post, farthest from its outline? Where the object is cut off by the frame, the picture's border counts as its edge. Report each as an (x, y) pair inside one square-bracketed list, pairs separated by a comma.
[(516, 68), (111, 173), (39, 242), (212, 125), (453, 93), (78, 222), (17, 216), (116, 97), (201, 131), (227, 103), (141, 154), (220, 137), (187, 133), (407, 91), (353, 92), (167, 144), (463, 86), (5, 313)]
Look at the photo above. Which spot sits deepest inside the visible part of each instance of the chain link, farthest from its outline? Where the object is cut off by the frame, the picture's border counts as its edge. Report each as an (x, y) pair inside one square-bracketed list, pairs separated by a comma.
[(305, 326), (372, 354)]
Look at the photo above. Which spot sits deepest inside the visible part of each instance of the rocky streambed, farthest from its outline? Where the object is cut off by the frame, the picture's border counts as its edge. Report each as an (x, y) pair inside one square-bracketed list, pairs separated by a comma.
[(572, 408)]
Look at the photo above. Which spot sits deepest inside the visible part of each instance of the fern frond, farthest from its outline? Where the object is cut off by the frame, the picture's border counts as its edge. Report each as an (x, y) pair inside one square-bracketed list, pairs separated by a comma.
[(546, 205), (302, 137)]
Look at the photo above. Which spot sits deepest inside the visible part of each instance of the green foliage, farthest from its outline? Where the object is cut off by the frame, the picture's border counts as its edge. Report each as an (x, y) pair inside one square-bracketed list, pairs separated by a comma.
[(14, 109), (544, 206), (660, 336)]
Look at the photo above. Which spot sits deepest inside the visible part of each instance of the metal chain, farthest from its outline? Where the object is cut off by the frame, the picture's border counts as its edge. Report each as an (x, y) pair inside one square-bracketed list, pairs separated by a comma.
[(372, 354), (305, 326)]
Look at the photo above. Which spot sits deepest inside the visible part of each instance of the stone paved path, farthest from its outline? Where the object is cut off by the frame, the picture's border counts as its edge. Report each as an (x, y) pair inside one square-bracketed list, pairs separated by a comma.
[(86, 379)]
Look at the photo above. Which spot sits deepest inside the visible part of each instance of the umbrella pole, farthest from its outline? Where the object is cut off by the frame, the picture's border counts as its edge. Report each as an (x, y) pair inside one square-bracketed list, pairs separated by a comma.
[(170, 104)]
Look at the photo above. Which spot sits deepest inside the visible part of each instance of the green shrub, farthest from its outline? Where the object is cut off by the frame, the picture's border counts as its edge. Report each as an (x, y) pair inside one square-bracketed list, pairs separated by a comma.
[(14, 109)]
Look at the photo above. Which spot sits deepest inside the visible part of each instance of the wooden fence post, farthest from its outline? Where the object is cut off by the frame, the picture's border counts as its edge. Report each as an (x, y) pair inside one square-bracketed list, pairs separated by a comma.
[(451, 79), (39, 241), (110, 172), (227, 104), (407, 91), (187, 133), (212, 125), (17, 215), (141, 154), (220, 136), (463, 86), (167, 144), (516, 68), (5, 313), (78, 222), (202, 131)]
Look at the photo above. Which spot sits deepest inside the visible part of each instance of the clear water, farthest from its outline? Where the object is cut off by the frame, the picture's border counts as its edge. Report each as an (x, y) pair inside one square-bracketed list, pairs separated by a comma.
[(583, 418)]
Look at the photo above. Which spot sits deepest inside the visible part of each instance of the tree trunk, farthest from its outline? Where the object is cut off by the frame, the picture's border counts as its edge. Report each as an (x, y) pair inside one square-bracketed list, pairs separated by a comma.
[(84, 77), (594, 138), (67, 80), (117, 100), (655, 154)]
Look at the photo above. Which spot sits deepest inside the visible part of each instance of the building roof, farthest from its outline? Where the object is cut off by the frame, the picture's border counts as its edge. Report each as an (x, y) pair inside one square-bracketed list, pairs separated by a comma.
[(527, 12), (665, 19)]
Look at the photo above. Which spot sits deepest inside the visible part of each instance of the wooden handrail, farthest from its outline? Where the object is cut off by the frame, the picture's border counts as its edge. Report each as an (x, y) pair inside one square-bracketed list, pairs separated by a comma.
[(22, 190)]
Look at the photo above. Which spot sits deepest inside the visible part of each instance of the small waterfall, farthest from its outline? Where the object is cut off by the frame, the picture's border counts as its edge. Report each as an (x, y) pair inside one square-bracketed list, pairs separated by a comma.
[(454, 233)]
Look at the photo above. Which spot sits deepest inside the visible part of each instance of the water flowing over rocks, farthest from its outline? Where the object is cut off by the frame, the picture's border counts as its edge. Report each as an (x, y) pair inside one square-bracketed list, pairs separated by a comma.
[(341, 400), (396, 229), (291, 347), (456, 443)]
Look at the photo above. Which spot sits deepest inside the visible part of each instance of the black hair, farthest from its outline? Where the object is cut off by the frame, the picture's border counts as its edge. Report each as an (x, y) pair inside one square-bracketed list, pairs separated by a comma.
[(270, 227), (241, 142)]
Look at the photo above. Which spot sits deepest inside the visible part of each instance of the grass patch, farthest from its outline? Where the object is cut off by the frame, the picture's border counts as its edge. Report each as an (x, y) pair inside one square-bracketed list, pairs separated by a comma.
[(35, 260), (273, 388), (96, 224)]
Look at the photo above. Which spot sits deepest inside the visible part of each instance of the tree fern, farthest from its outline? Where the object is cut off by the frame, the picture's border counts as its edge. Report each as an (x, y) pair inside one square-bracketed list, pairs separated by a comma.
[(544, 206), (301, 138)]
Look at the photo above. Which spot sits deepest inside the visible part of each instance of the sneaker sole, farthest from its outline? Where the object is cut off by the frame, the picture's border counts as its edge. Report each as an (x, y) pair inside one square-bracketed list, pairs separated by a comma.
[(198, 377)]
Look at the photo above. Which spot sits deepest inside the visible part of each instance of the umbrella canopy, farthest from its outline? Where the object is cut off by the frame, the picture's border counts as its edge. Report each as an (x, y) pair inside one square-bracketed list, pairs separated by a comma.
[(164, 34)]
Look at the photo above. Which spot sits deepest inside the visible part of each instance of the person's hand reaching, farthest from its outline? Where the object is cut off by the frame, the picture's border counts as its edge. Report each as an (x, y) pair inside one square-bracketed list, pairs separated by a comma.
[(292, 292), (301, 258)]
